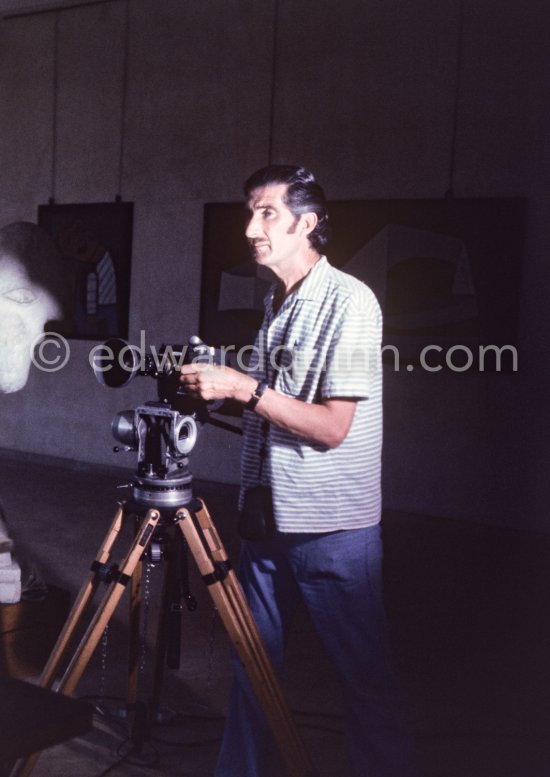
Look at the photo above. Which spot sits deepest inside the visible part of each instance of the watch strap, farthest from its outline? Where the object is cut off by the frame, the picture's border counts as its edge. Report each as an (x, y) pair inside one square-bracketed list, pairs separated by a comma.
[(257, 394)]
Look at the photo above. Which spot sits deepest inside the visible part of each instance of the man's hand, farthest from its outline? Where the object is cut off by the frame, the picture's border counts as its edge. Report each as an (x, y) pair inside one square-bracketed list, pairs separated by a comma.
[(208, 382), (326, 423)]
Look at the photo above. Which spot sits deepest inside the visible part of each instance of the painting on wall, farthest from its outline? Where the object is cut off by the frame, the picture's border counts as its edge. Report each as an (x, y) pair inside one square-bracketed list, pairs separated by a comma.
[(446, 272), (95, 241)]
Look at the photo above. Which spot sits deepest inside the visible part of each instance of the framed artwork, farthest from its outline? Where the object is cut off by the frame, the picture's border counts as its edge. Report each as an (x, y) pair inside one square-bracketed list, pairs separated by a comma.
[(95, 241), (446, 272)]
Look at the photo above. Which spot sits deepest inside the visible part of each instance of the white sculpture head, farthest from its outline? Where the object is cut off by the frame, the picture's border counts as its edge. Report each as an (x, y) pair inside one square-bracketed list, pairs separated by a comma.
[(30, 296)]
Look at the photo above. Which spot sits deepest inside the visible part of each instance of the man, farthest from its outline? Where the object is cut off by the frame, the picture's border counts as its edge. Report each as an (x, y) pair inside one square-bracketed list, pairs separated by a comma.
[(312, 437)]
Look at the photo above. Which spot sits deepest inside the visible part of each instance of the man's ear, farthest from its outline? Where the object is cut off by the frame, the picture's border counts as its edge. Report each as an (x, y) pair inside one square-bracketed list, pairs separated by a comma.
[(308, 222)]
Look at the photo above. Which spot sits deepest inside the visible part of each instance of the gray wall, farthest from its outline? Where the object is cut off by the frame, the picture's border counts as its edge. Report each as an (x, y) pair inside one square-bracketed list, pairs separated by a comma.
[(364, 94)]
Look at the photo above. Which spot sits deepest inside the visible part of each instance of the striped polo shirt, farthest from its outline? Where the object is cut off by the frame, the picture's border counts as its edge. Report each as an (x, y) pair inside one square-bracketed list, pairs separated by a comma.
[(324, 342)]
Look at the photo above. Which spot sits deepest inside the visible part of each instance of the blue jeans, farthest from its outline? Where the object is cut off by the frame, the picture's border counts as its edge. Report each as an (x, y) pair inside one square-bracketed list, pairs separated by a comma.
[(338, 576)]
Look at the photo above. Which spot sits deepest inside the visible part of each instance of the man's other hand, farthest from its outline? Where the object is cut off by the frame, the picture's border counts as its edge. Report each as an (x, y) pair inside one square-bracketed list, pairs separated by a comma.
[(209, 382)]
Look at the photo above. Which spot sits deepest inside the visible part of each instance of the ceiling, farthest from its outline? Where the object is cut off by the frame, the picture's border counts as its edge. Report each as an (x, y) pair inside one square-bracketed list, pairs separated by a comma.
[(11, 8)]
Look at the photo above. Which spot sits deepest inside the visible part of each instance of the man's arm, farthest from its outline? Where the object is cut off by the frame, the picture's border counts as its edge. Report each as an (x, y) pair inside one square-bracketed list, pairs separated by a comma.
[(326, 423)]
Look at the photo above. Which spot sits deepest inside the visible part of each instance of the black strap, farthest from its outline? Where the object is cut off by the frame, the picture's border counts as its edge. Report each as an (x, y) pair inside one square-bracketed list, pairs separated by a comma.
[(109, 573), (221, 570)]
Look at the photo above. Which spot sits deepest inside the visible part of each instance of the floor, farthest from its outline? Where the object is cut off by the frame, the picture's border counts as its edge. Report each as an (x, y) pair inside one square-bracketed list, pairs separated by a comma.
[(469, 613)]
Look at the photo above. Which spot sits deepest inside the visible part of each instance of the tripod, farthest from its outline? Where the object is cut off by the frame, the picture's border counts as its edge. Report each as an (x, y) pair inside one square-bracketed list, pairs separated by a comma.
[(177, 507)]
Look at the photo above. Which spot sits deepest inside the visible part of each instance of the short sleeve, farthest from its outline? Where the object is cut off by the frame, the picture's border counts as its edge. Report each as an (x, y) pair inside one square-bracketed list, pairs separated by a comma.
[(353, 358)]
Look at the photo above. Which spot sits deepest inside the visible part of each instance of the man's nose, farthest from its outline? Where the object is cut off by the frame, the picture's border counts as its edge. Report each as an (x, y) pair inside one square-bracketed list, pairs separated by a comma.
[(253, 227)]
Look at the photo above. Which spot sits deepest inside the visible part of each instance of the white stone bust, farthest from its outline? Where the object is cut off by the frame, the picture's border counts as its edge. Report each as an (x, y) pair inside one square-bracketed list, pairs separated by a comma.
[(30, 296)]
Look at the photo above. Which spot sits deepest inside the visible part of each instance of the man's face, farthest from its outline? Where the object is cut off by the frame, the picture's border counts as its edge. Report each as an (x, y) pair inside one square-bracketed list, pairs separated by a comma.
[(272, 229), (24, 309)]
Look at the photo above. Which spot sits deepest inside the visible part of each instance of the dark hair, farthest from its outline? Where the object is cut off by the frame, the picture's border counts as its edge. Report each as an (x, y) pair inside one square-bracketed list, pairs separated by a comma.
[(303, 195)]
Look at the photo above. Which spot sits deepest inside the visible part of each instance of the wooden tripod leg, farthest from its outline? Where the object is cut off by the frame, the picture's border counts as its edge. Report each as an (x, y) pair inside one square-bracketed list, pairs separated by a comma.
[(235, 592), (240, 607), (133, 648), (101, 617), (226, 593), (81, 602), (89, 641)]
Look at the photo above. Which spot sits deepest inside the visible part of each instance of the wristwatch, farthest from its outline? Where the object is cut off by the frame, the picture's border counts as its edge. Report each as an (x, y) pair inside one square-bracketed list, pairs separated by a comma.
[(257, 394)]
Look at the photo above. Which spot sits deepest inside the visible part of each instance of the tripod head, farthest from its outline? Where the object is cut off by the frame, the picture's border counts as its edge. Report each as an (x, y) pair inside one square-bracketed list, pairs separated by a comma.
[(163, 438), (163, 432)]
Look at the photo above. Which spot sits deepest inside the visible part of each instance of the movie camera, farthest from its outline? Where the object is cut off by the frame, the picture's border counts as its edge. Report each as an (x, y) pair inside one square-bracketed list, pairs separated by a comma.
[(164, 433)]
